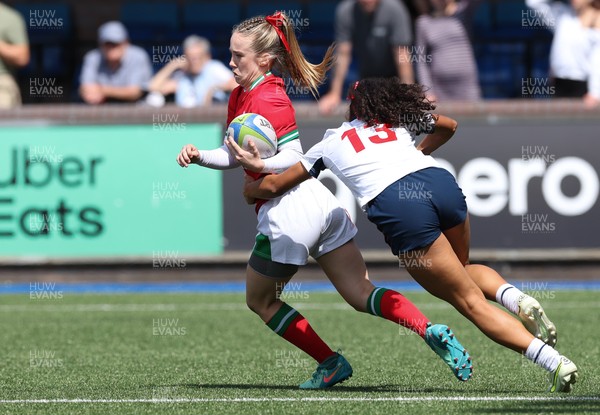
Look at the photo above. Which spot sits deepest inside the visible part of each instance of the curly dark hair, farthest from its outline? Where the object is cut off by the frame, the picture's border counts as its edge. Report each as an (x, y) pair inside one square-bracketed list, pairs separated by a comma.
[(387, 101)]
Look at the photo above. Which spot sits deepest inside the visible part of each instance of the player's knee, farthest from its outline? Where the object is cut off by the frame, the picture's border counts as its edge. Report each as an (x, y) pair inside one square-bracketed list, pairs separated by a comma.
[(359, 299), (471, 302), (254, 304), (358, 305), (261, 306)]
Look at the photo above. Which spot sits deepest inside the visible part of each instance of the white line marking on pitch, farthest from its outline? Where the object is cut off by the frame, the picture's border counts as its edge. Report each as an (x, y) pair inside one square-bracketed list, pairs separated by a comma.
[(317, 399), (232, 307)]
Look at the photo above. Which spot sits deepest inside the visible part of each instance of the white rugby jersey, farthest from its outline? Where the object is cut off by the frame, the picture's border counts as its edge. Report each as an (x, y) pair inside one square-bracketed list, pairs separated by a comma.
[(367, 160)]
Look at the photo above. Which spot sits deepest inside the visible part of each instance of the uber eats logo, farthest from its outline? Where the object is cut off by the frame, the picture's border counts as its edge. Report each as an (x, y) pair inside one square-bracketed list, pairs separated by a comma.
[(31, 169)]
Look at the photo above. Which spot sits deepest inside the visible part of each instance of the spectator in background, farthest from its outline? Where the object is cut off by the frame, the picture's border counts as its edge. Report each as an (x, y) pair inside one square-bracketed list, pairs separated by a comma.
[(379, 34), (116, 71), (575, 53), (446, 62), (194, 78), (14, 53)]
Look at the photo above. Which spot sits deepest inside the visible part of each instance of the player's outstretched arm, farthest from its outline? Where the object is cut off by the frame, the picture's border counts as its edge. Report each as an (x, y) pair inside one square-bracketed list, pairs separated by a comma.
[(189, 154), (444, 130), (218, 159), (275, 185)]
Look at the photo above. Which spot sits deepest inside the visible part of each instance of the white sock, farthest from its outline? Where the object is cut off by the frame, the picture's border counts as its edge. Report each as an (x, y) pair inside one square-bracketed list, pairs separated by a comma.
[(543, 355), (508, 295)]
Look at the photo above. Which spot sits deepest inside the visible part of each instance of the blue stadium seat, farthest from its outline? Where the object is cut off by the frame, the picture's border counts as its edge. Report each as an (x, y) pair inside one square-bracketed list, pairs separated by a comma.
[(55, 61), (509, 13), (509, 20), (211, 20), (482, 19), (47, 23), (151, 22), (321, 22), (221, 53), (50, 31), (501, 69), (292, 8)]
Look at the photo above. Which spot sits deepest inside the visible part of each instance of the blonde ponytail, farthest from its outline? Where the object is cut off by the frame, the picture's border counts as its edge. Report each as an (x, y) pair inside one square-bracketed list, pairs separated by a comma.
[(265, 39)]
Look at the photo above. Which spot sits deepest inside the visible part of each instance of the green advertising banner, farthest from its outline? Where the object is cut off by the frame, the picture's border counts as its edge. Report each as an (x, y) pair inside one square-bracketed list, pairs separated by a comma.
[(91, 191)]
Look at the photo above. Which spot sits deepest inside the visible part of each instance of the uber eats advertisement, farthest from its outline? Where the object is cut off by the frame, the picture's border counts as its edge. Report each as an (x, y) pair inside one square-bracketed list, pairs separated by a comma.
[(71, 191)]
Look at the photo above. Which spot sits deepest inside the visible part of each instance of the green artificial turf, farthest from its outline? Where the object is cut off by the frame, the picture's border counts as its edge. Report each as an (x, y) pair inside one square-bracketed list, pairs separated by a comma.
[(208, 354)]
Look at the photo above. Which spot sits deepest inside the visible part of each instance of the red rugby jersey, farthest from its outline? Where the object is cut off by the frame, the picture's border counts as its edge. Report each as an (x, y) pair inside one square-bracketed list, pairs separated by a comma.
[(267, 97)]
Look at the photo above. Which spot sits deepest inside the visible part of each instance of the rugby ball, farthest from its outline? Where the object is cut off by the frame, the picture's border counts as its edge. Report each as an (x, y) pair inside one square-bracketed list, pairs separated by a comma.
[(257, 128)]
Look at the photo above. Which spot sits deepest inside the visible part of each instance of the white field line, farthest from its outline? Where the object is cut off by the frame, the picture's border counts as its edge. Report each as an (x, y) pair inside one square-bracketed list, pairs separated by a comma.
[(316, 399), (120, 308)]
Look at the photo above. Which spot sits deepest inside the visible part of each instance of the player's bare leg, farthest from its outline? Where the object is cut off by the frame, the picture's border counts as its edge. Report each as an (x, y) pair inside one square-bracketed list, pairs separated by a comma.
[(263, 297), (446, 278), (346, 269), (262, 293), (495, 288)]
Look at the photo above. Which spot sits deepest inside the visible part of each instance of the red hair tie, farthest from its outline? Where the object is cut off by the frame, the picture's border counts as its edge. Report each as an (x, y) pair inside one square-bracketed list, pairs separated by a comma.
[(276, 20), (353, 89)]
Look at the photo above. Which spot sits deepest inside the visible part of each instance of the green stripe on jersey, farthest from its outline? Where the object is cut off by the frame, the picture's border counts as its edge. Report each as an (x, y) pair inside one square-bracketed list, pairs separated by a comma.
[(262, 247), (286, 138), (259, 80), (282, 319)]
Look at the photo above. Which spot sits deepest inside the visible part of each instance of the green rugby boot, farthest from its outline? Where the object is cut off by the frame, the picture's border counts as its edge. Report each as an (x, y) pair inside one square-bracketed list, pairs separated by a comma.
[(443, 342), (334, 369)]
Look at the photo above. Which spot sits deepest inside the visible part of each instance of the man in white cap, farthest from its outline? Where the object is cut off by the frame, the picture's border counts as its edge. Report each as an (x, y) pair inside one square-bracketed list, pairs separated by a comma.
[(116, 71)]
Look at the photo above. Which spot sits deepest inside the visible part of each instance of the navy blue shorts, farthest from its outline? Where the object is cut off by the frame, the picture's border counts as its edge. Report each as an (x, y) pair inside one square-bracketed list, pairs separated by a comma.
[(413, 211)]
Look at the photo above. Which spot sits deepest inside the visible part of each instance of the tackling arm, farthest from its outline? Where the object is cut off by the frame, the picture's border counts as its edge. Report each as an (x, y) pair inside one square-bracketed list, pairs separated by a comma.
[(444, 130), (275, 185)]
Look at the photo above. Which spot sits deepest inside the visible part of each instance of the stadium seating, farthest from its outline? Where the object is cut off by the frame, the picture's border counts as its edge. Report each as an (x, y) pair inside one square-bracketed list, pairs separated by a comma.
[(504, 47), (264, 8), (151, 22), (51, 41), (210, 19)]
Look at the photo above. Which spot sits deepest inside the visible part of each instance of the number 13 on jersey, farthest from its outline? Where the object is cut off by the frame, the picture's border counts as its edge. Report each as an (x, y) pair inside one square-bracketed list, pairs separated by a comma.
[(384, 135)]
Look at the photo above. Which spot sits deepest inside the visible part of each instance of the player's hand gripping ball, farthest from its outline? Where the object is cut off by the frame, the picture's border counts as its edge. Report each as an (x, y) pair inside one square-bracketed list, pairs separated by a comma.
[(257, 128)]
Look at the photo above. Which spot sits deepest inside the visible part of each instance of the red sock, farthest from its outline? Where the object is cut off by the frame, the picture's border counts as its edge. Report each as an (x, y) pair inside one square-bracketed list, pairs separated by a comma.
[(393, 306), (293, 327)]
